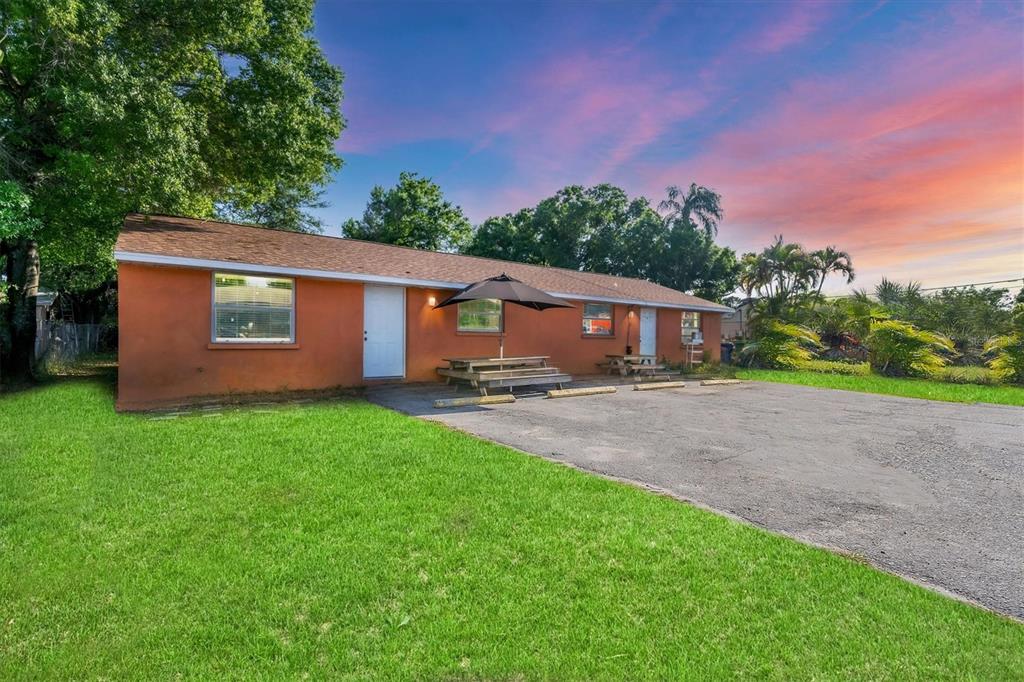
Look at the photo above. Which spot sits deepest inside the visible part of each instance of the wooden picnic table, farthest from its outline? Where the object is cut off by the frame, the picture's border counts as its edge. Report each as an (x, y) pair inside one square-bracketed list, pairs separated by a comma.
[(630, 364), (476, 364), (505, 372)]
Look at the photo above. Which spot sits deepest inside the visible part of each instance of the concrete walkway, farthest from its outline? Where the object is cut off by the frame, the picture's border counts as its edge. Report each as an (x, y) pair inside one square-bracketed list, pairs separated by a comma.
[(930, 490)]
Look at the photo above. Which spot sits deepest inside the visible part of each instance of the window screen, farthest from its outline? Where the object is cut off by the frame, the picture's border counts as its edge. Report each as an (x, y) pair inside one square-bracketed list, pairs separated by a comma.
[(255, 309)]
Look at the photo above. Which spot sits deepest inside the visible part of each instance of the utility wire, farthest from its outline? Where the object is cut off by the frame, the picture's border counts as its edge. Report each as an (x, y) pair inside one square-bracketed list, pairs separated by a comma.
[(976, 284), (951, 286)]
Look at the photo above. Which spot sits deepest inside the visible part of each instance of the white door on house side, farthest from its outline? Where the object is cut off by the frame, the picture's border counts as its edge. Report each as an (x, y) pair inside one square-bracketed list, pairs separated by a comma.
[(648, 331), (383, 332)]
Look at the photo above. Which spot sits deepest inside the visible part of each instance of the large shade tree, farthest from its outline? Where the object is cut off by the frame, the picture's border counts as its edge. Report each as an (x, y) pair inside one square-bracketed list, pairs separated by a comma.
[(412, 213), (198, 108)]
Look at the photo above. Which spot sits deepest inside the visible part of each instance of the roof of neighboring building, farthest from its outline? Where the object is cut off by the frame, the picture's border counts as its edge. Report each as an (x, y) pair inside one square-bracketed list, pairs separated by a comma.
[(208, 244)]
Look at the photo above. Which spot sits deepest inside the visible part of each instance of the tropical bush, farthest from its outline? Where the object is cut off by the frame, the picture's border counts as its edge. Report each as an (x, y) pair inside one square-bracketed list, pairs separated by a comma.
[(1008, 356), (785, 282), (900, 349), (1006, 351), (966, 316), (780, 345), (967, 375)]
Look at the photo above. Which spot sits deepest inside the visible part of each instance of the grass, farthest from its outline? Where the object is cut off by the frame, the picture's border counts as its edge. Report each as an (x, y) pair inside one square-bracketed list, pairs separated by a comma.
[(873, 383), (342, 540)]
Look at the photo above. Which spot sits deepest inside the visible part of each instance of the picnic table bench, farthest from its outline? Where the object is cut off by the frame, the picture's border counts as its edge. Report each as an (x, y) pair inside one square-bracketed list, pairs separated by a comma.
[(638, 366), (487, 373), (630, 364)]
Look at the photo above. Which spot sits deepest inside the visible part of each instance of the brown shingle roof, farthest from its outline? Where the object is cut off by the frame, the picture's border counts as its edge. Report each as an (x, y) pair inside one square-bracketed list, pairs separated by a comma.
[(171, 239)]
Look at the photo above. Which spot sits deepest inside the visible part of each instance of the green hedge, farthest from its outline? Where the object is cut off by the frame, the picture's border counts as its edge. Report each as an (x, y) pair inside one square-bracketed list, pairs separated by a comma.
[(859, 369), (952, 375)]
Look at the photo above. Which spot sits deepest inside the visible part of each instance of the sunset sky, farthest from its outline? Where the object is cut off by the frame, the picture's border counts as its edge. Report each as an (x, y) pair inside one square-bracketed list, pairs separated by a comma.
[(894, 130)]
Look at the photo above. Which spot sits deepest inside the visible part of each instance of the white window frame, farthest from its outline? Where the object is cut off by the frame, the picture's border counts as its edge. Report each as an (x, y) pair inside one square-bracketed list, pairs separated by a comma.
[(698, 332), (501, 319), (213, 311), (611, 319)]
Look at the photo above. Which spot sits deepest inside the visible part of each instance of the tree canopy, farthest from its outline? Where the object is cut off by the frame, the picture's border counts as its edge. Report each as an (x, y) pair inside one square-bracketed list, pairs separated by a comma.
[(412, 213), (198, 108), (600, 229)]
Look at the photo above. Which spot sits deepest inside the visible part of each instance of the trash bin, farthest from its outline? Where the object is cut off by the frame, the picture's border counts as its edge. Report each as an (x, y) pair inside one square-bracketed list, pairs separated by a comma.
[(727, 347)]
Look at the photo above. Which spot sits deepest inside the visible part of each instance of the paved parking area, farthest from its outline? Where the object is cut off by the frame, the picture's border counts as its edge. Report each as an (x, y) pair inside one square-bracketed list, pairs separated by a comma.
[(930, 490)]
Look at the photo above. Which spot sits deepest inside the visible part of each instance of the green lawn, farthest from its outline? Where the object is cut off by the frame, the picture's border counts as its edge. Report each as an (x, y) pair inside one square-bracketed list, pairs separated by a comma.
[(910, 388), (342, 540)]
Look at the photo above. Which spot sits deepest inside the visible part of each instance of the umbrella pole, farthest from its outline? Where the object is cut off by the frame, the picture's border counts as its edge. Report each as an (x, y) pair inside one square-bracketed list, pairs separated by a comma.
[(501, 334)]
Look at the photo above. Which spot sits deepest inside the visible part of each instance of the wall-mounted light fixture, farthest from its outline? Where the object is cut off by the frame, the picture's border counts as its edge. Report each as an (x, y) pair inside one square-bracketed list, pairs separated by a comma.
[(432, 301)]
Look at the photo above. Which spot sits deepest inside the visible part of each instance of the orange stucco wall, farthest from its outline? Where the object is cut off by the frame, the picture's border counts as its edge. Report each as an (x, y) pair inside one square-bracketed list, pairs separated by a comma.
[(165, 353), (670, 334), (432, 335), (164, 349)]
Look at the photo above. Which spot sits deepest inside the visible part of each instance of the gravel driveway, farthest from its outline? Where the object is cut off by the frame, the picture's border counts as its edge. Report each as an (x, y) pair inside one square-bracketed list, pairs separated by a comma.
[(930, 490)]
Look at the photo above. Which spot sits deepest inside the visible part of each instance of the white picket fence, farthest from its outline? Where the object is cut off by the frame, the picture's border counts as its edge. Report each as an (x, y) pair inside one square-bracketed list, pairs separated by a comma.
[(63, 341)]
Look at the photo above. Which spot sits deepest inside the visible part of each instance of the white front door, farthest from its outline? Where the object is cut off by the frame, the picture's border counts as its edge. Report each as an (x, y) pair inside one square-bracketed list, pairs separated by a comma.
[(648, 331), (383, 332)]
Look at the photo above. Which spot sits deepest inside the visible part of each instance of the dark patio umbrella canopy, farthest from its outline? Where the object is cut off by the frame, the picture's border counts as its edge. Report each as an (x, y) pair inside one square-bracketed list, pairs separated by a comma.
[(506, 290), (509, 290)]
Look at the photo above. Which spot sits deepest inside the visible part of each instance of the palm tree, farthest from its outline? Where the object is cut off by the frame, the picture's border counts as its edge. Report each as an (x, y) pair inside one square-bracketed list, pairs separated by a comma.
[(829, 260), (755, 275), (792, 268), (888, 292), (700, 207)]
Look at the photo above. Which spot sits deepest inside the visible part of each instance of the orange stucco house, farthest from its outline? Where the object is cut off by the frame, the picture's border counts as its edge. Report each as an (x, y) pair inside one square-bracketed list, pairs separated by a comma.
[(210, 308)]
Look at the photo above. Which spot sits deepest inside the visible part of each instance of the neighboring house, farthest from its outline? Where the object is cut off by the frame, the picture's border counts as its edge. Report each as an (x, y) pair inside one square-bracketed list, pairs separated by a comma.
[(210, 308), (735, 322)]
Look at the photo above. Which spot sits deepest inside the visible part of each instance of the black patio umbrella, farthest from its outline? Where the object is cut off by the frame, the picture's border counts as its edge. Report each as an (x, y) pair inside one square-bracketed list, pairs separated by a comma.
[(507, 290)]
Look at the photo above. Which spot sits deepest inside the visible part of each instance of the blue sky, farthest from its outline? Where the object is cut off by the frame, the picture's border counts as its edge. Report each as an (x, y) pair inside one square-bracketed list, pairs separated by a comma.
[(891, 129)]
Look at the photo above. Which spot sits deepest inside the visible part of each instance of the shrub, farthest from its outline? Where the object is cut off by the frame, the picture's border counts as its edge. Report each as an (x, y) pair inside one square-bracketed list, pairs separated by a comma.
[(1007, 350), (837, 367), (780, 345), (1007, 360), (967, 375), (900, 349)]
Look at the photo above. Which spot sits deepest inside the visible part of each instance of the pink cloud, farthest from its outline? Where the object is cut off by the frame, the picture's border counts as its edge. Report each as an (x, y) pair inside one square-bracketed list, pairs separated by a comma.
[(923, 164), (800, 21), (587, 115)]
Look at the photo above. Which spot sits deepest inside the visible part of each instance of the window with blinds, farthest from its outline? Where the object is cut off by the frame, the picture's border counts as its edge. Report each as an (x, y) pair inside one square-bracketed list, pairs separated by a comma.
[(253, 309)]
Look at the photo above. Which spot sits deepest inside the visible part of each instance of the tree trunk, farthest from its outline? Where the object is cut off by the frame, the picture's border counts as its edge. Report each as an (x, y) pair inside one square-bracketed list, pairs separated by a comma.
[(18, 335)]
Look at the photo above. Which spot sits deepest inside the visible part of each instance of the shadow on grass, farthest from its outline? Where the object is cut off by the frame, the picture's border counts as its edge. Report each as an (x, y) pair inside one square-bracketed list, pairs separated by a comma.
[(99, 369)]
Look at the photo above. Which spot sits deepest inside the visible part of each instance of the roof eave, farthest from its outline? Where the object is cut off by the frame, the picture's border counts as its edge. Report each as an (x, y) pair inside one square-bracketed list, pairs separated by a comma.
[(233, 266)]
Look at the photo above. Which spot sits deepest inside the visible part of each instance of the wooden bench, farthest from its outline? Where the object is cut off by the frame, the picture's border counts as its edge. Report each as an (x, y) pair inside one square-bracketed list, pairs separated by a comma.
[(647, 369), (630, 364), (535, 380), (466, 375)]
